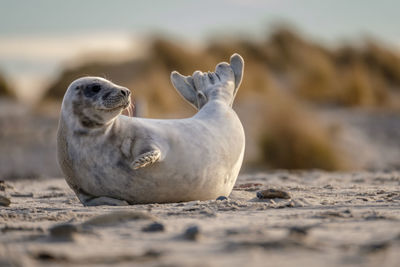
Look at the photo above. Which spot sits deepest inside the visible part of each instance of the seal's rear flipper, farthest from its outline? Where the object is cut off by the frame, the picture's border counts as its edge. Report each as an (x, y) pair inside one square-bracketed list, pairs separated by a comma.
[(185, 86), (237, 65), (146, 158), (194, 88)]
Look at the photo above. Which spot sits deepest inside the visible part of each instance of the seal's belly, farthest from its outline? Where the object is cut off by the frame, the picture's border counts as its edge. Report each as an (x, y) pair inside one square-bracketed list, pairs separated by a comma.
[(185, 174), (199, 169)]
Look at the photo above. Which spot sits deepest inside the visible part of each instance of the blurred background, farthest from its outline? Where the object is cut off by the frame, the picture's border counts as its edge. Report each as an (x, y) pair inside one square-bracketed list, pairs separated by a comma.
[(321, 88)]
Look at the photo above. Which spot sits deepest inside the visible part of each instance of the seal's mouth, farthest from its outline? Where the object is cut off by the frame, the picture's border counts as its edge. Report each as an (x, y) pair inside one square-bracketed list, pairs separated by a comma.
[(116, 108)]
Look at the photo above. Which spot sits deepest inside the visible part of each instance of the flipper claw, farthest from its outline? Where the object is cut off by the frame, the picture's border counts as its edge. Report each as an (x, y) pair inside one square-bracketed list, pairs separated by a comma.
[(146, 158)]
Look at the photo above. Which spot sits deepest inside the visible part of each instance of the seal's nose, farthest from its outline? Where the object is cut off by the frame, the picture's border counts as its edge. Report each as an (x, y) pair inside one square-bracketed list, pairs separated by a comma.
[(125, 92)]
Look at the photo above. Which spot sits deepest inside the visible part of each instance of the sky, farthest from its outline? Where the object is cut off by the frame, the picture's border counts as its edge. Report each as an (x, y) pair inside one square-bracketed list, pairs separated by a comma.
[(328, 19), (38, 37)]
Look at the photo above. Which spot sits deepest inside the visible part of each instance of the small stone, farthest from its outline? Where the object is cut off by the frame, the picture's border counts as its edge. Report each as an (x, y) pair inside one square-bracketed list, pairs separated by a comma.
[(375, 247), (63, 231), (4, 201), (328, 186), (222, 198), (154, 227), (298, 231), (117, 217), (273, 193), (192, 233), (4, 186), (50, 257), (22, 195)]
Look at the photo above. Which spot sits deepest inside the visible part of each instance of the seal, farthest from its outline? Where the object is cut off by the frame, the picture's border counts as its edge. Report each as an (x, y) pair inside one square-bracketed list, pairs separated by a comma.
[(111, 159)]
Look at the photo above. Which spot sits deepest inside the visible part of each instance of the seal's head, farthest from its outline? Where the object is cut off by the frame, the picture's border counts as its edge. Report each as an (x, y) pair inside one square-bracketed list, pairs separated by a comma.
[(93, 102)]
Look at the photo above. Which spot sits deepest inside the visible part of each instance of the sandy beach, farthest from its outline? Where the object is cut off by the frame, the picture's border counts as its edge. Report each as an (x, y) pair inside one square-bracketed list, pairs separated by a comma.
[(319, 103), (328, 219)]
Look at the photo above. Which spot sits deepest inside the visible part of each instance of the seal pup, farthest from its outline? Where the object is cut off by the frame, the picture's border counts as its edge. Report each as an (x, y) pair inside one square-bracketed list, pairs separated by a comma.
[(111, 159)]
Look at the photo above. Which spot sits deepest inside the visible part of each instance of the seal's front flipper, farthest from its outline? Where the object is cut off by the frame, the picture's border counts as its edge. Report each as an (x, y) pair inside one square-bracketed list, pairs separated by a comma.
[(108, 201), (146, 158), (89, 200)]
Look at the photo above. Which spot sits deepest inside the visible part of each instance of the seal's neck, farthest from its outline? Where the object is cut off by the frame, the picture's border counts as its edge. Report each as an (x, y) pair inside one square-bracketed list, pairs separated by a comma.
[(78, 128)]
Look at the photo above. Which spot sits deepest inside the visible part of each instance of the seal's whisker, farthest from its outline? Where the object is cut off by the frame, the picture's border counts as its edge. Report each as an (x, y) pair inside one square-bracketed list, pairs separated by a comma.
[(133, 108), (129, 110)]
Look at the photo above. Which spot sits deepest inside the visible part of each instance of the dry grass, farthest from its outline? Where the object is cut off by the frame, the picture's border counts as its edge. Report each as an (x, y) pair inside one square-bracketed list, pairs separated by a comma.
[(293, 138), (5, 89)]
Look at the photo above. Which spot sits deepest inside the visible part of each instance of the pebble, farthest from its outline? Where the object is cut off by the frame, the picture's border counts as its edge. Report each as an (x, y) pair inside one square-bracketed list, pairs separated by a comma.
[(298, 231), (5, 201), (154, 227), (63, 231), (117, 217), (273, 193), (328, 186), (22, 195), (4, 186), (192, 233), (222, 198)]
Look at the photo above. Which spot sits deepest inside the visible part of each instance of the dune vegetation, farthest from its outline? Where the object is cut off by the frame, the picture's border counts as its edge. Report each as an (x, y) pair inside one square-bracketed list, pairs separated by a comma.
[(5, 89)]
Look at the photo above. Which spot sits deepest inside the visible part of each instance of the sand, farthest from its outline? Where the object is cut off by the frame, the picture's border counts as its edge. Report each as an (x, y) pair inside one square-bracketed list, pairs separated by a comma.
[(330, 219)]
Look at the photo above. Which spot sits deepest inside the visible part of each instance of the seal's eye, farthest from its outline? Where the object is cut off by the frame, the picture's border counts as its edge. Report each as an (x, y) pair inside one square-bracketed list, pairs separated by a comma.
[(92, 90), (96, 88)]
